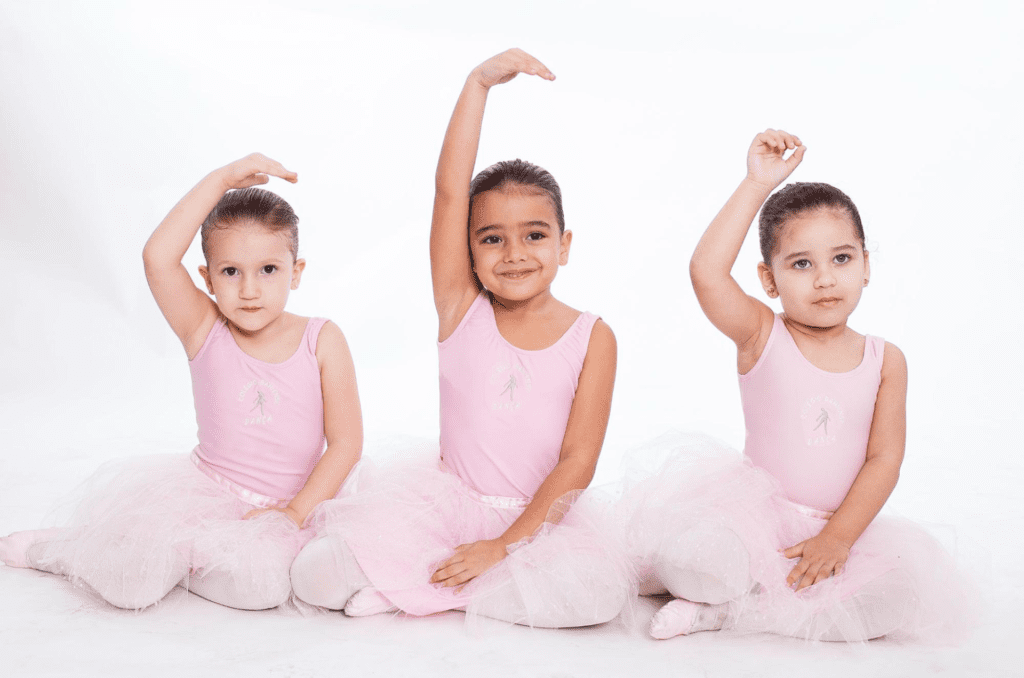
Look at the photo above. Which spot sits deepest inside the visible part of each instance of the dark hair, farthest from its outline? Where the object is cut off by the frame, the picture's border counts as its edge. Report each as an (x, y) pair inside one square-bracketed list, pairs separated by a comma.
[(796, 199), (508, 173), (269, 210)]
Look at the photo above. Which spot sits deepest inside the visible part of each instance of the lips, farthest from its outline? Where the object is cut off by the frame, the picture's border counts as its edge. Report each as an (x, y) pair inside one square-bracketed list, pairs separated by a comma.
[(828, 301), (250, 309), (517, 275)]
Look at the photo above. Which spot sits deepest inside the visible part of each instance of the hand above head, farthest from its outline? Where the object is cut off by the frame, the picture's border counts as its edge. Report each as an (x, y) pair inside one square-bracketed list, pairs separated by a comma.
[(252, 170), (287, 510), (503, 67), (469, 561), (766, 164), (820, 557)]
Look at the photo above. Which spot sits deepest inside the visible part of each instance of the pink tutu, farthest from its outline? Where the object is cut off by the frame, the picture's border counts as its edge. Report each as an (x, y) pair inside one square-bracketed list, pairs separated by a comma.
[(571, 572), (693, 503), (139, 526)]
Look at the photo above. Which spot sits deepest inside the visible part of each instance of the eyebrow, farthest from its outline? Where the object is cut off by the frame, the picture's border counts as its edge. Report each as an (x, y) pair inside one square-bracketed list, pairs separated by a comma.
[(529, 224), (806, 253)]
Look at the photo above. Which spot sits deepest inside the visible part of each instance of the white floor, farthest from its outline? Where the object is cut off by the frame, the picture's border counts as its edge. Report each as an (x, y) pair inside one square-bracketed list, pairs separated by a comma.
[(48, 628)]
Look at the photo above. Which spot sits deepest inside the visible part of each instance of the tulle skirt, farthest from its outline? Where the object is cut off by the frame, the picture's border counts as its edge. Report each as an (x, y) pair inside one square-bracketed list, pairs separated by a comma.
[(139, 526), (572, 571), (695, 504)]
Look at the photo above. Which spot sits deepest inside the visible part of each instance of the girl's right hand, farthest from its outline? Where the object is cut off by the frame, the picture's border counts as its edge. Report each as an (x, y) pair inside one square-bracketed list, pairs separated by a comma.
[(503, 67), (252, 170), (766, 164)]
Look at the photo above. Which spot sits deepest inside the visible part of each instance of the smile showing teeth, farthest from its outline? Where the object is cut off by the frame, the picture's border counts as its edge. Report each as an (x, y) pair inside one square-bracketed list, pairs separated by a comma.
[(516, 275)]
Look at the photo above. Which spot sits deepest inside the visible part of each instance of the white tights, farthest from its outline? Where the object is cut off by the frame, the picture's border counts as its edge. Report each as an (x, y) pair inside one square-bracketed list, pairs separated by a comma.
[(253, 586), (325, 573)]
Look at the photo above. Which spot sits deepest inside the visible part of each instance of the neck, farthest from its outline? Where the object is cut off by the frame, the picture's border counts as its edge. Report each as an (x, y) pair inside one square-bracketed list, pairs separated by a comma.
[(822, 334), (537, 304)]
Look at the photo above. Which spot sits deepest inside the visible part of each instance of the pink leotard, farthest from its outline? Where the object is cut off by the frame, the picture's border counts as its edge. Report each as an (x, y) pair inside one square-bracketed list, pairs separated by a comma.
[(807, 427), (504, 409), (261, 425)]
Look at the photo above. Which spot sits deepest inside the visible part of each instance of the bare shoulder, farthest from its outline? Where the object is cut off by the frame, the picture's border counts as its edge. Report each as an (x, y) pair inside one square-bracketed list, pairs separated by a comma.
[(602, 341), (330, 342), (894, 363)]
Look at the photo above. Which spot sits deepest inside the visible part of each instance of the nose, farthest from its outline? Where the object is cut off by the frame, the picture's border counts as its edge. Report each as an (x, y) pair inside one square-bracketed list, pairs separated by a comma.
[(514, 250), (826, 277), (249, 288)]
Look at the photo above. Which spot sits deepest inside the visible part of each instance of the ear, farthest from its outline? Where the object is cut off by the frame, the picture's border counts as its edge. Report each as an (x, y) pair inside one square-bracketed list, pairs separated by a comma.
[(205, 272), (764, 272), (867, 269), (297, 270), (566, 243)]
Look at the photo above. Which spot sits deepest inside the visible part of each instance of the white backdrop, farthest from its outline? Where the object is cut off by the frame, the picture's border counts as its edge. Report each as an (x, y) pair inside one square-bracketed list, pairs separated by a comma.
[(111, 111)]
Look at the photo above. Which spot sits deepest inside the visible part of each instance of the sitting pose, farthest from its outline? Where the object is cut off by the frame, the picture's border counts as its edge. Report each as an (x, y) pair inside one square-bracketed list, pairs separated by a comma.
[(497, 526), (270, 388), (788, 541)]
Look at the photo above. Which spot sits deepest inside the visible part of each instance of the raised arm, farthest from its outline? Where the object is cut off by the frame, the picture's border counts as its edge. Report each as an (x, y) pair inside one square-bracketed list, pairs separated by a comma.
[(825, 554), (581, 446), (343, 426), (740, 317), (455, 286), (188, 310)]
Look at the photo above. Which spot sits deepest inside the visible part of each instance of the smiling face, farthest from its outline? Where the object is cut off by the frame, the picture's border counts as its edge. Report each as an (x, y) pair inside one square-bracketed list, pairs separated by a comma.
[(819, 268), (515, 242), (250, 272)]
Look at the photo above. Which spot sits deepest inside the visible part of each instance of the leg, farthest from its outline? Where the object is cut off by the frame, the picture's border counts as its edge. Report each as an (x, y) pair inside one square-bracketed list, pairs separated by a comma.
[(112, 572), (554, 583), (877, 609), (325, 573), (705, 564)]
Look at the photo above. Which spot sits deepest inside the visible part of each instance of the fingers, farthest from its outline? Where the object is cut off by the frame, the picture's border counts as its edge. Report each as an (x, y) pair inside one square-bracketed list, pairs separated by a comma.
[(503, 67), (264, 165), (794, 551), (778, 141)]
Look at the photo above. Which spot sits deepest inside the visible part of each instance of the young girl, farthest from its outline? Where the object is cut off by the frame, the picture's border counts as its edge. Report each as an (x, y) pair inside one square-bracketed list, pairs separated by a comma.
[(526, 386), (270, 388), (789, 542)]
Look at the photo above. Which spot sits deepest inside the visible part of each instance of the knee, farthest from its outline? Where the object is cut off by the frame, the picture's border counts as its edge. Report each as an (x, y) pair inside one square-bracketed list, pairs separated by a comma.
[(317, 578)]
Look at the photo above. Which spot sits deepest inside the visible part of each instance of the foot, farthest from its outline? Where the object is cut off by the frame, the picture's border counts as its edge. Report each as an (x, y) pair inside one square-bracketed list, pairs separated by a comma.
[(367, 601), (14, 547), (681, 617)]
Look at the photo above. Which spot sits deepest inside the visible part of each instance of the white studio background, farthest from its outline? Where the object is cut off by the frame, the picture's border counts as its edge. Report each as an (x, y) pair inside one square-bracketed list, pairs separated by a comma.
[(112, 110)]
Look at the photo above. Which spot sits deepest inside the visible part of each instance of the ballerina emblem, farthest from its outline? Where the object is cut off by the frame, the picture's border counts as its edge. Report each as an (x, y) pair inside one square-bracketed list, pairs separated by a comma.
[(510, 387), (260, 399), (822, 420)]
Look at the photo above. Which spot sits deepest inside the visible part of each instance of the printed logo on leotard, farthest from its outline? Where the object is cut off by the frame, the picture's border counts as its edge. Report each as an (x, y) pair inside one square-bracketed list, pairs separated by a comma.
[(511, 383), (259, 396), (822, 419)]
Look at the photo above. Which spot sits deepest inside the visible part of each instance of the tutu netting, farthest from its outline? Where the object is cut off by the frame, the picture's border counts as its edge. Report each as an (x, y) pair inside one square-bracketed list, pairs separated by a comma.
[(571, 572), (698, 515), (139, 527)]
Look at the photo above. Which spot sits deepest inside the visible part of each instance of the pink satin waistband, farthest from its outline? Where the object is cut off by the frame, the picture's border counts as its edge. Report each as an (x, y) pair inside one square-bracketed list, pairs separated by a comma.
[(490, 500), (245, 494)]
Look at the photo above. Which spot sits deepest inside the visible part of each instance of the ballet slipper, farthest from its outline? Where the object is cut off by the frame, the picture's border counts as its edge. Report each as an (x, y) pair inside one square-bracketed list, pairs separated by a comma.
[(14, 547), (368, 601), (681, 617)]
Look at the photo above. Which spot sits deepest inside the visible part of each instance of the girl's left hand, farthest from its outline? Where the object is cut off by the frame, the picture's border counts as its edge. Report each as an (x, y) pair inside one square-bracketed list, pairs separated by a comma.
[(820, 558), (287, 510), (469, 561)]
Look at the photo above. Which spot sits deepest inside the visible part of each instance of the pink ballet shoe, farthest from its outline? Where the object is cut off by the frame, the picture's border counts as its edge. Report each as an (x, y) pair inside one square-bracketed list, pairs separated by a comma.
[(14, 547), (675, 618), (681, 617), (368, 601)]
